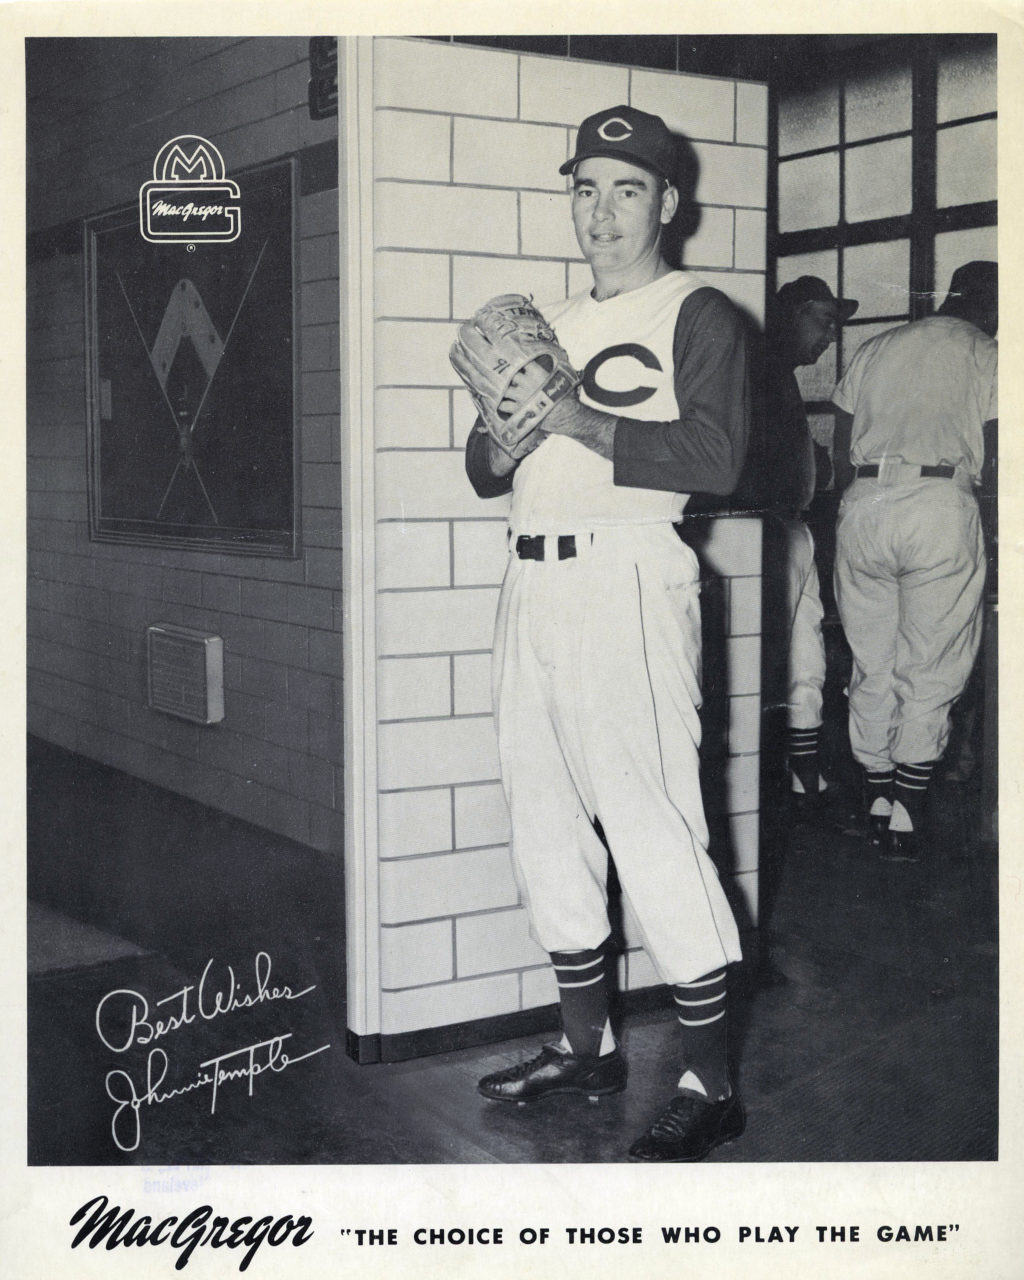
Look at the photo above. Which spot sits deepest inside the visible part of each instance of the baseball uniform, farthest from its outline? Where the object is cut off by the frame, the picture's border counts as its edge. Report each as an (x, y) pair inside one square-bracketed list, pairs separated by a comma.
[(597, 643), (910, 564), (597, 655), (792, 468)]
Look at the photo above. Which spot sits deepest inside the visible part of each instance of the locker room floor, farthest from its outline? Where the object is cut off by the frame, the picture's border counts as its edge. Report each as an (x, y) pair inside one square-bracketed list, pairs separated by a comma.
[(869, 1033)]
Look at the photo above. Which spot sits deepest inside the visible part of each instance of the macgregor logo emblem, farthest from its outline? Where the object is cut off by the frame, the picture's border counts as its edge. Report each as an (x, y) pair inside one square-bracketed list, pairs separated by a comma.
[(189, 200)]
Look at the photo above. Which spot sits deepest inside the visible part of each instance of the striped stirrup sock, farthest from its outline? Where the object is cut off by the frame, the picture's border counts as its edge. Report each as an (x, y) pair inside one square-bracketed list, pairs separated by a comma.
[(802, 747), (911, 788), (583, 994), (878, 787), (701, 1013)]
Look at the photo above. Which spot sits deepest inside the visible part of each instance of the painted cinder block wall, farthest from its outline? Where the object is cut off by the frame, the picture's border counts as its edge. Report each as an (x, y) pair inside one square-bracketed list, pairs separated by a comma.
[(467, 203), (95, 125)]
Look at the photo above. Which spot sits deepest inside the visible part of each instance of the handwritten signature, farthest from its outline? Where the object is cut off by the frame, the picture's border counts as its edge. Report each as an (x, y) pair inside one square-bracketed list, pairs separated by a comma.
[(210, 1001), (126, 1123)]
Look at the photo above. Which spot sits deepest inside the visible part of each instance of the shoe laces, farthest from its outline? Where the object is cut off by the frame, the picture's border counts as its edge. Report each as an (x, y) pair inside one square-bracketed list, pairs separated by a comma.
[(677, 1118), (522, 1069)]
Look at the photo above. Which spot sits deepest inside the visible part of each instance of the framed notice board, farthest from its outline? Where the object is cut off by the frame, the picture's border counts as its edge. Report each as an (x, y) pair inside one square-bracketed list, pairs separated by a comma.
[(192, 385)]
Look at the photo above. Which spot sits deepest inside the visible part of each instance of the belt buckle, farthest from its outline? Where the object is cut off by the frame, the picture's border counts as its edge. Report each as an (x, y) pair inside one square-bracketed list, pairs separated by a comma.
[(890, 470)]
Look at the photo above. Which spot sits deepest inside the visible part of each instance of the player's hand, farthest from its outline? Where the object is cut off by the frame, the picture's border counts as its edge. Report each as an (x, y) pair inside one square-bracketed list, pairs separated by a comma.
[(500, 462)]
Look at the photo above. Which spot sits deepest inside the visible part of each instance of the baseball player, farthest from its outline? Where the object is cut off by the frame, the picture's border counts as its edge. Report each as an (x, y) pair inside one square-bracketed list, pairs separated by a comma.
[(597, 638), (918, 406), (804, 324)]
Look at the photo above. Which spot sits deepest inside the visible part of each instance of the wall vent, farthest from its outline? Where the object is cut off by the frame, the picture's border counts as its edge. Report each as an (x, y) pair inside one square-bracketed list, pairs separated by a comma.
[(185, 673)]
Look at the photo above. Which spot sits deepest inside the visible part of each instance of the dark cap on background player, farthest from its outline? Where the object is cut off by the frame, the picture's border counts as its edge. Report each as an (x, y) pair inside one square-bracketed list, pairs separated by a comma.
[(624, 133), (974, 295), (806, 319), (813, 289)]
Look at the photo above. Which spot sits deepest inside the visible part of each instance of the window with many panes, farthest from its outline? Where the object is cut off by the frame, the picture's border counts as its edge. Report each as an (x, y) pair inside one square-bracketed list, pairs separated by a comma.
[(886, 181)]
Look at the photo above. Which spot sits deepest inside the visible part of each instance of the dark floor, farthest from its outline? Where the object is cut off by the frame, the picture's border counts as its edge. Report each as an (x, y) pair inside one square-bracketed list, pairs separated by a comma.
[(869, 1034)]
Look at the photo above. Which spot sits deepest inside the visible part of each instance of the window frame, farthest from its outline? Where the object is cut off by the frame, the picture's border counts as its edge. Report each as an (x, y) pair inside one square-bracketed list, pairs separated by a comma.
[(925, 220)]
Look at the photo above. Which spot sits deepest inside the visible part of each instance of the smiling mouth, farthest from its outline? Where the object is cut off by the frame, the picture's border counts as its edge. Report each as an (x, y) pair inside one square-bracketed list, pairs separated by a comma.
[(604, 237)]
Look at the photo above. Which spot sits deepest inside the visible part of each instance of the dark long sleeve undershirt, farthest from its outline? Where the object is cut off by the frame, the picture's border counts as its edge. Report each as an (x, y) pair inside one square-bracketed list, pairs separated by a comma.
[(478, 467), (700, 451), (703, 449)]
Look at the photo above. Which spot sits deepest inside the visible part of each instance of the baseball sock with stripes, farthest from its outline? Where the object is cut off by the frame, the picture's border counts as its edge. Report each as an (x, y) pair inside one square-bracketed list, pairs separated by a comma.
[(701, 1012), (878, 789), (910, 792), (802, 745), (583, 994)]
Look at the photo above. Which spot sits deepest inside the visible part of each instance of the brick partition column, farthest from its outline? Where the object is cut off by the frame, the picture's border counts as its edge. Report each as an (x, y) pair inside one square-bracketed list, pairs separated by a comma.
[(467, 203)]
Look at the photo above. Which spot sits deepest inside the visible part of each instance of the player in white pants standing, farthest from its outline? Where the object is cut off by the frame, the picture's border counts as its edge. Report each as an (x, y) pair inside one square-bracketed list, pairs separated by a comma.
[(804, 322), (597, 641), (918, 405)]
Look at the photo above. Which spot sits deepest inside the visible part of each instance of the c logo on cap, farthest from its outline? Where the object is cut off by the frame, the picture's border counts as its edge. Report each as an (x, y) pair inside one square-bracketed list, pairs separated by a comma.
[(620, 135)]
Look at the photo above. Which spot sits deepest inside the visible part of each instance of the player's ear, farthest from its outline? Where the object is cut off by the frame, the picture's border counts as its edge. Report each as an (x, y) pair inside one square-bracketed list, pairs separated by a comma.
[(669, 204)]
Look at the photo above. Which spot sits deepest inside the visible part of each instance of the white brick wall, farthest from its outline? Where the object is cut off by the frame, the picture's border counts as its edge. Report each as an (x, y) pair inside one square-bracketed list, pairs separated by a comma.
[(415, 954), (413, 554), (509, 155), (474, 280), (469, 204), (435, 621), (480, 552), (438, 1006), (411, 822), (412, 418), (751, 229), (433, 217), (539, 987), (472, 683), (557, 90), (410, 144), (711, 245), (494, 942), (697, 106), (419, 485), (412, 284), (451, 78), (411, 688), (428, 753), (481, 816), (446, 885)]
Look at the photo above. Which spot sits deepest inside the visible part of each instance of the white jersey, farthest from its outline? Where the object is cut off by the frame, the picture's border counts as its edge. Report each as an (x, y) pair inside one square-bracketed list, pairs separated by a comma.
[(921, 392), (623, 348)]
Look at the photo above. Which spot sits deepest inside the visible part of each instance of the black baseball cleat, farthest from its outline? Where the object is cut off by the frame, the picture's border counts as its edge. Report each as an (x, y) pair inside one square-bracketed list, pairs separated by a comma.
[(554, 1071), (901, 846), (878, 830), (689, 1128), (806, 806)]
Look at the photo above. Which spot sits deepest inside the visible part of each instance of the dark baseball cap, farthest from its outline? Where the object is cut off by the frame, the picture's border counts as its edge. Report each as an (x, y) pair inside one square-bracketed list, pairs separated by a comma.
[(624, 133), (976, 282), (814, 289)]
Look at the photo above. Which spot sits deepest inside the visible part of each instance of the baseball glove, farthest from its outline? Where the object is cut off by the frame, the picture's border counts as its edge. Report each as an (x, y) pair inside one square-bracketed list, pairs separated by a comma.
[(503, 338)]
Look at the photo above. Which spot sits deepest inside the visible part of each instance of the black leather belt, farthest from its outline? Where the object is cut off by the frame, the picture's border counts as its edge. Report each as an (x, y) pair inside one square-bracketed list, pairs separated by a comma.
[(532, 548), (944, 473)]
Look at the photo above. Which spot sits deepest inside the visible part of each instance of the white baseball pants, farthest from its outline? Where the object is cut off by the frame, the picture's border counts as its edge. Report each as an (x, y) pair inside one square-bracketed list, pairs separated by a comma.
[(909, 576), (596, 689), (806, 643)]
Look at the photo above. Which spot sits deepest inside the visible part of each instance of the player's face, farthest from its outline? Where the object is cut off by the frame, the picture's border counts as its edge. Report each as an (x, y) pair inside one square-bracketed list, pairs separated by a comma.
[(618, 210), (814, 330)]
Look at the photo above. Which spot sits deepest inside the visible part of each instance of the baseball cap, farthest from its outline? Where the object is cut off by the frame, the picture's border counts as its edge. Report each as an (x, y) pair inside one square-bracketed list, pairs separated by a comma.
[(814, 289), (976, 282), (624, 133)]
